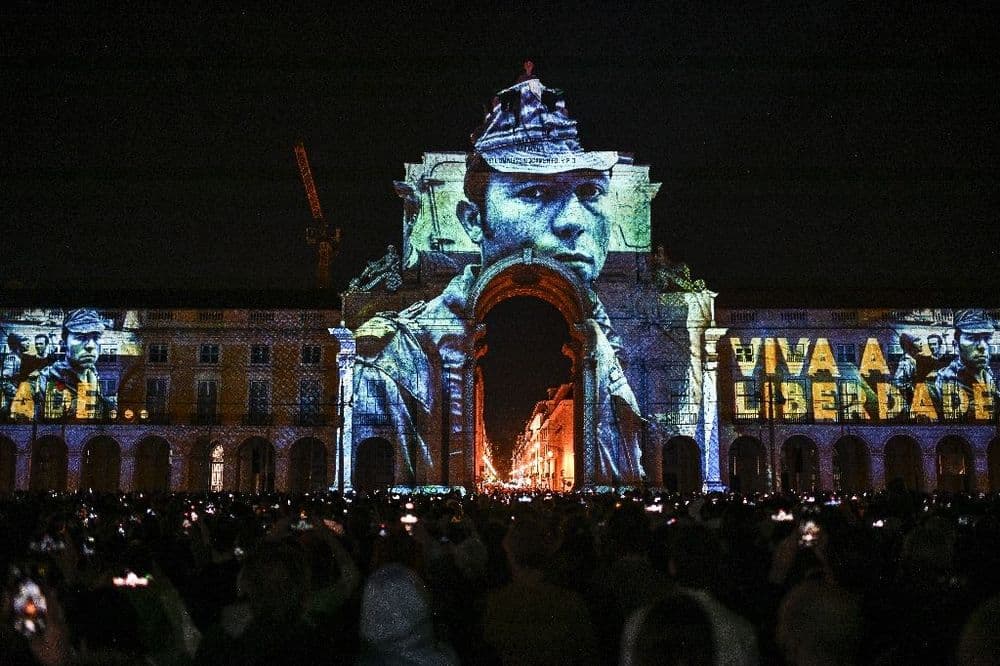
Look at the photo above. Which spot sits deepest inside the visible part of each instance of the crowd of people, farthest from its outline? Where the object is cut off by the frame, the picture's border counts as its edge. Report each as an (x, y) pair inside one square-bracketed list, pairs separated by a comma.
[(633, 577)]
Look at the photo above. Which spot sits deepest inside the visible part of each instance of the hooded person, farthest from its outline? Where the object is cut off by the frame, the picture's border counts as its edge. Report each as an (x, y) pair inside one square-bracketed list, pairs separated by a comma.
[(530, 189), (396, 623)]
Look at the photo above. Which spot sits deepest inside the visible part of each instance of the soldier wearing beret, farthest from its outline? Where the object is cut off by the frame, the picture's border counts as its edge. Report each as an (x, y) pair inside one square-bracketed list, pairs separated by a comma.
[(528, 183), (966, 386), (70, 386)]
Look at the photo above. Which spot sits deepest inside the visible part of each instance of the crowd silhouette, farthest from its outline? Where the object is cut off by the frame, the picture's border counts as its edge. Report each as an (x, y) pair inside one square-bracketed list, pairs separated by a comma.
[(635, 577)]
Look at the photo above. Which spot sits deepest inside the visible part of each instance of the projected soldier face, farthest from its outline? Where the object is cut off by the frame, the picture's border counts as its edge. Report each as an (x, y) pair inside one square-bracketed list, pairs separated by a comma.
[(41, 344), (82, 350), (936, 345), (563, 216), (974, 349)]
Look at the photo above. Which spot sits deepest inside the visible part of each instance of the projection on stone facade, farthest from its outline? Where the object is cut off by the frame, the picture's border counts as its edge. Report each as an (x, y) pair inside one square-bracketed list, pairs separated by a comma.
[(528, 212)]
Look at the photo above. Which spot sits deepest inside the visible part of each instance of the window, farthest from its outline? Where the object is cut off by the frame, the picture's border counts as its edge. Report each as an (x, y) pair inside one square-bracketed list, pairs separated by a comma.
[(310, 354), (260, 317), (259, 405), (157, 352), (208, 400), (796, 353), (108, 386), (260, 355), (310, 397), (156, 397), (744, 354), (208, 353), (210, 315), (375, 403), (846, 353), (108, 354), (743, 317), (747, 400)]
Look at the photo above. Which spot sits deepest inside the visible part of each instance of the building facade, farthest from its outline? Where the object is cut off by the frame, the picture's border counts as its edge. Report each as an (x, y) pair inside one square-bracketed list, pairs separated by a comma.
[(242, 400)]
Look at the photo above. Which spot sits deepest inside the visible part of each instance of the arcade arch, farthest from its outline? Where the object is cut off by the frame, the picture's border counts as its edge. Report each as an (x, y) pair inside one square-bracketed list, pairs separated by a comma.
[(955, 466), (747, 466), (100, 465), (8, 465), (851, 465), (374, 465), (682, 465), (307, 470), (152, 465), (255, 470), (799, 465), (199, 471), (903, 462), (551, 282), (49, 456)]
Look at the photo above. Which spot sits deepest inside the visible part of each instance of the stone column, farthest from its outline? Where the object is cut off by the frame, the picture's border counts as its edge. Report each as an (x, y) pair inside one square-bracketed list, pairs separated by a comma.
[(126, 475), (589, 406), (708, 420), (344, 445), (929, 456), (282, 457)]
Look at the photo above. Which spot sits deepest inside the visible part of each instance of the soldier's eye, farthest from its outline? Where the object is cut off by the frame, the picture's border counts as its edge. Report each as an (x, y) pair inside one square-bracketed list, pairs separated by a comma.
[(533, 192), (589, 191)]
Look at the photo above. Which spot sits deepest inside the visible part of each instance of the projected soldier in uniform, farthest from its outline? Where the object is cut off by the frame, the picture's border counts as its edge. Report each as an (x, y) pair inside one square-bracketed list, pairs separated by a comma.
[(528, 184), (70, 386), (966, 386)]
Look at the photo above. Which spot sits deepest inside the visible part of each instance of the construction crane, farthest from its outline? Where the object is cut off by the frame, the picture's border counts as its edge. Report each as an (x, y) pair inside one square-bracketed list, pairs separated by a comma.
[(317, 233)]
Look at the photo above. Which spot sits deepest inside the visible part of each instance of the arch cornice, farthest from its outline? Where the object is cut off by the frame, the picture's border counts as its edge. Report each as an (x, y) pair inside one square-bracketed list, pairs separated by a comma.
[(526, 274)]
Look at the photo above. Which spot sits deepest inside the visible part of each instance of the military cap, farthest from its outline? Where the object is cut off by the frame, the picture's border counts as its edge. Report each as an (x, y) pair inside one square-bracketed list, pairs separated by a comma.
[(973, 321), (83, 320), (529, 130)]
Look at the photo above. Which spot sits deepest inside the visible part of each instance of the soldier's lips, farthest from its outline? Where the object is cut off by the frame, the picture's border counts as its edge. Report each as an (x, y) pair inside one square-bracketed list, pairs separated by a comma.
[(574, 258)]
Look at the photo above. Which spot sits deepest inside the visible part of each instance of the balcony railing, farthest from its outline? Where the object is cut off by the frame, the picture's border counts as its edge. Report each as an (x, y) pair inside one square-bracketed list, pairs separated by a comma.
[(206, 418), (310, 418), (258, 418)]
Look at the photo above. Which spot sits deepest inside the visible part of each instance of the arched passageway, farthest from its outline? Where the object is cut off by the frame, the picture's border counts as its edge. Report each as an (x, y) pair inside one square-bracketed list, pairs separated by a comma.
[(199, 465), (903, 463), (100, 465), (851, 465), (307, 471), (374, 466), (152, 465), (8, 465), (256, 466), (799, 465), (681, 465), (955, 468), (49, 456), (747, 466)]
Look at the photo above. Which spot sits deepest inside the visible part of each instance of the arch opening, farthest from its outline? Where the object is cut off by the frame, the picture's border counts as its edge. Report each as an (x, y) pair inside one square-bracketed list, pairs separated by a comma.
[(255, 466), (152, 465), (903, 463), (375, 464), (307, 471), (100, 465), (682, 465), (747, 465), (851, 465), (955, 468), (799, 465)]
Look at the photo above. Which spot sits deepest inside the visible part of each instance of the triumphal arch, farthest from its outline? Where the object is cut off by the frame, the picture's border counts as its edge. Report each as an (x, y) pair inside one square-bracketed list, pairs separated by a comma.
[(527, 212)]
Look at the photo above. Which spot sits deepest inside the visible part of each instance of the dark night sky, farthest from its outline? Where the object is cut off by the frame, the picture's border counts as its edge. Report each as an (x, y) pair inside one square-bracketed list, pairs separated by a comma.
[(808, 147)]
